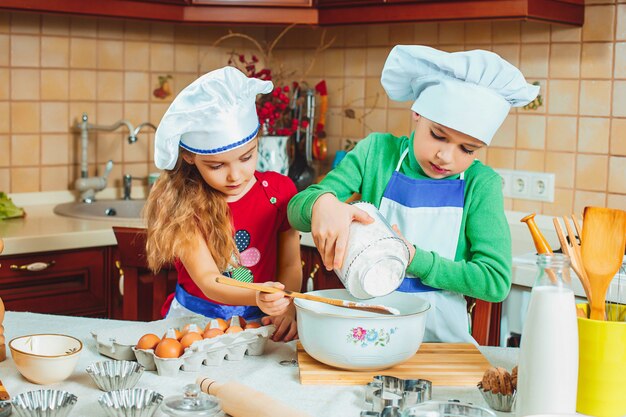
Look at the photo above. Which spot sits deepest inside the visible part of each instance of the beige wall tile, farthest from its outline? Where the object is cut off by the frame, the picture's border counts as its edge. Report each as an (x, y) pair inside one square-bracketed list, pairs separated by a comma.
[(401, 33), (376, 121), (137, 113), (593, 134), (157, 110), (374, 93), (531, 132), (5, 180), (55, 51), (109, 147), (24, 51), (399, 122), (561, 133), (84, 26), (426, 33), (620, 60), (619, 98), (506, 134), (137, 30), (529, 160), (83, 53), (334, 123), (54, 24), (186, 58), (353, 67), (617, 201), (599, 23), (189, 33), (5, 155), (54, 178), (76, 110), (565, 60), (161, 57), (4, 50), (500, 157), (181, 80), (55, 149), (54, 117), (597, 60), (136, 56), (25, 117), (5, 82), (161, 32), (562, 96), (566, 33), (595, 98), (354, 93), (527, 206), (534, 60), (138, 151), (353, 128), (617, 174), (562, 205), (451, 33), (375, 61), (136, 86), (24, 84), (83, 85), (506, 31), (110, 29), (535, 32), (618, 137), (25, 180), (562, 164), (108, 113), (29, 23), (110, 85), (354, 38), (5, 21), (621, 23), (591, 172), (583, 199), (509, 52), (5, 121), (377, 35), (478, 32), (25, 150), (110, 54), (54, 84)]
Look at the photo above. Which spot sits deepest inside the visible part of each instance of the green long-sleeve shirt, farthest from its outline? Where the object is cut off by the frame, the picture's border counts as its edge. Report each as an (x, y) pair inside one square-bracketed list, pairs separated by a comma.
[(482, 265)]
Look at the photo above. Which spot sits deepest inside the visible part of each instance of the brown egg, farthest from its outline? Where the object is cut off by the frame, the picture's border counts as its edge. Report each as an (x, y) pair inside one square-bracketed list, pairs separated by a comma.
[(191, 327), (169, 348), (173, 333), (234, 329), (189, 338), (211, 333), (148, 341), (219, 323), (252, 325)]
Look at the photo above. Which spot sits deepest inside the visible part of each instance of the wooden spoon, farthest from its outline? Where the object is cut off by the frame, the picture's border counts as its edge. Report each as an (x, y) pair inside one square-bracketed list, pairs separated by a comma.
[(602, 247), (374, 308)]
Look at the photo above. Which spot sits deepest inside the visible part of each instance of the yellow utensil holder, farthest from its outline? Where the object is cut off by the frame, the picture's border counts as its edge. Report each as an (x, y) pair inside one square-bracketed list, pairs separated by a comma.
[(602, 367)]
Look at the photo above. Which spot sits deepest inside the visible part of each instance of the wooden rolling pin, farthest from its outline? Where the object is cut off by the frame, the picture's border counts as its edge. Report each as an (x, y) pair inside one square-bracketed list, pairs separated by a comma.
[(239, 400)]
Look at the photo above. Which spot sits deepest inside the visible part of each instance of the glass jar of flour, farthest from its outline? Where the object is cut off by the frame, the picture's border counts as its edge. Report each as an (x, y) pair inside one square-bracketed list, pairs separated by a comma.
[(376, 258)]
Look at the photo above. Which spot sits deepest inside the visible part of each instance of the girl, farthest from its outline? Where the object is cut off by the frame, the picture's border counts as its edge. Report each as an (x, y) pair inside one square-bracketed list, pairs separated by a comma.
[(448, 205), (211, 214)]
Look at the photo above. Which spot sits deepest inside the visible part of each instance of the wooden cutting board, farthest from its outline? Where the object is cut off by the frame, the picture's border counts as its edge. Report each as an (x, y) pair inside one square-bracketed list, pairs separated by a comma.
[(444, 364)]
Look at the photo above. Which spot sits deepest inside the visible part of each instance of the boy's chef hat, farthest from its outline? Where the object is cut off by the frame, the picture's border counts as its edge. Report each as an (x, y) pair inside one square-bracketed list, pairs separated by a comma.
[(213, 114), (471, 91)]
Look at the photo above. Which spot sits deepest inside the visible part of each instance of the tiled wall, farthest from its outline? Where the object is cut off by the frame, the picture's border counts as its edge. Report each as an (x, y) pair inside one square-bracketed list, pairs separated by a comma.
[(53, 68)]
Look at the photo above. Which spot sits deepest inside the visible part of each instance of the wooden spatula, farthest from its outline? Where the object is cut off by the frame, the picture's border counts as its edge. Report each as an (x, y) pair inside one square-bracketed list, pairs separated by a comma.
[(602, 248), (374, 308)]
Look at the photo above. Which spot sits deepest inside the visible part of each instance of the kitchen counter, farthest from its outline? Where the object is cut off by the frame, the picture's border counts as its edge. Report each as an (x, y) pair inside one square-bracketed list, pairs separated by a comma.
[(262, 373)]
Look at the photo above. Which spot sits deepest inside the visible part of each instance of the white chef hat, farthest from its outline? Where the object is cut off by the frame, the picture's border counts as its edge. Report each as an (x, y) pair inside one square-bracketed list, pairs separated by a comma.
[(470, 91), (214, 114)]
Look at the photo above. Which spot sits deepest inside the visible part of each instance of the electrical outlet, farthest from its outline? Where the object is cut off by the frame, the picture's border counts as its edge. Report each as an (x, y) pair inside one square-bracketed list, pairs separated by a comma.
[(538, 186), (520, 185), (505, 175), (542, 186)]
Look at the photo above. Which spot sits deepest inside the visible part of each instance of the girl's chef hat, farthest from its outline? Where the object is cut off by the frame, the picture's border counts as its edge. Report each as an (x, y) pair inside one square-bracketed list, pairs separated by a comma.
[(471, 91), (213, 114)]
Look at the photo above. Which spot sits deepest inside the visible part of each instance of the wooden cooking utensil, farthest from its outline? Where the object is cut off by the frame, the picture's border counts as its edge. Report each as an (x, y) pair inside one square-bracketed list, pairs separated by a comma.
[(572, 249), (602, 248), (374, 308), (541, 244)]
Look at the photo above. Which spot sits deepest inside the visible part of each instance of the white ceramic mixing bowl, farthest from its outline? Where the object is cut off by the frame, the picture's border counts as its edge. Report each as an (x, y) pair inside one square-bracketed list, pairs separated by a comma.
[(358, 340)]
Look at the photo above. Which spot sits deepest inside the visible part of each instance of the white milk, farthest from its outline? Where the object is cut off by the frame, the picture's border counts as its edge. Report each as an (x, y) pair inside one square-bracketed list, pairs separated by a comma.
[(548, 362)]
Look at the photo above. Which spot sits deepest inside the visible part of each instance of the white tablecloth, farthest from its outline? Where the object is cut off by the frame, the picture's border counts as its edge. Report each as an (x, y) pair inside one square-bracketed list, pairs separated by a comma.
[(262, 373)]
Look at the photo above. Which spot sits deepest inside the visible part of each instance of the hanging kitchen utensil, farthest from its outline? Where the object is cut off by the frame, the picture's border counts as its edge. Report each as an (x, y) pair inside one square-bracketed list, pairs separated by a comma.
[(374, 308), (602, 248), (300, 171)]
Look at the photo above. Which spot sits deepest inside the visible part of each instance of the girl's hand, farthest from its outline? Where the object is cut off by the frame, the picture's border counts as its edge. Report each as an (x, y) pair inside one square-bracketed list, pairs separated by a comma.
[(286, 327), (408, 244), (273, 304), (330, 226)]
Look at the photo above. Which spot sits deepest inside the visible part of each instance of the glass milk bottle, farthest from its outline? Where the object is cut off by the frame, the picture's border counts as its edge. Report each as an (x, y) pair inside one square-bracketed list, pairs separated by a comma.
[(548, 361)]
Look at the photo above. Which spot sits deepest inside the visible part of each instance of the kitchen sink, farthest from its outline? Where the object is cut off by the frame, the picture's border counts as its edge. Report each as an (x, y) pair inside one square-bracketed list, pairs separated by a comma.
[(103, 209)]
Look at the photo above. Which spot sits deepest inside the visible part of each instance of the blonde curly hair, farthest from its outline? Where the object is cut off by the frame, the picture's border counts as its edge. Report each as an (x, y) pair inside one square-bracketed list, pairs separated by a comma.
[(181, 206)]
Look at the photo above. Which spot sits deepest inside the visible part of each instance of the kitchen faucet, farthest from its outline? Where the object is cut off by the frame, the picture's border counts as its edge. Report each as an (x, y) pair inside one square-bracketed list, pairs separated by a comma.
[(88, 186)]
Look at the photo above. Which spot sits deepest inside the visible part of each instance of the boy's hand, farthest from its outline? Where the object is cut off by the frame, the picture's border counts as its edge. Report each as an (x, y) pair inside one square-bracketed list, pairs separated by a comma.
[(330, 227), (286, 327), (408, 244), (273, 304)]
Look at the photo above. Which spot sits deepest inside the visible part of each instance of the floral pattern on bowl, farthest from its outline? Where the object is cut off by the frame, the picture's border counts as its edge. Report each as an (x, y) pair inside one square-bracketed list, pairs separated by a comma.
[(365, 337)]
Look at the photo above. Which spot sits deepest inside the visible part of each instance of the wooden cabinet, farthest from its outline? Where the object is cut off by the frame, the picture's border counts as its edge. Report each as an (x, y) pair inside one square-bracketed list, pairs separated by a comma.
[(262, 3), (66, 282)]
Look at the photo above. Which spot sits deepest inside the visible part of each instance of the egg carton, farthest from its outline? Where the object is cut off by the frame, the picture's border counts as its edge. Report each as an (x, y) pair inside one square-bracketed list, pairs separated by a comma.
[(119, 343)]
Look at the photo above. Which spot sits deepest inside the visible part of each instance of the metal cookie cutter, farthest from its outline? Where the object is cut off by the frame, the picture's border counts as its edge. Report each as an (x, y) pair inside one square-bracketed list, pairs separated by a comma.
[(388, 396)]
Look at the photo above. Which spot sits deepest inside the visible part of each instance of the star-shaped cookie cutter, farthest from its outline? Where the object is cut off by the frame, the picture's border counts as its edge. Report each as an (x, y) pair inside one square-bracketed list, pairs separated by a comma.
[(388, 396)]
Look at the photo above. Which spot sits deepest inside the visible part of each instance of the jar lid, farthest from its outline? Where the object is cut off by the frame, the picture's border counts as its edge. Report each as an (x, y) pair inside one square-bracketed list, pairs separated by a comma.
[(193, 402)]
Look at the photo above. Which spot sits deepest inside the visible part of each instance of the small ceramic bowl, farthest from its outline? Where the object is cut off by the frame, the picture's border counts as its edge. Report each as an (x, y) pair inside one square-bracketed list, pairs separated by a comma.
[(499, 401), (115, 375), (135, 402), (49, 403), (45, 358)]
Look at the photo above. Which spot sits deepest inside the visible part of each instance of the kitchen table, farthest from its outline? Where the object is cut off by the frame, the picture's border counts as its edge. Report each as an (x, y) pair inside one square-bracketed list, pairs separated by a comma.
[(263, 373)]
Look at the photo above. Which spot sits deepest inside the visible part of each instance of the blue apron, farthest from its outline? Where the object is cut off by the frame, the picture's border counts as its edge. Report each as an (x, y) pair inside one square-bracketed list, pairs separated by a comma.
[(429, 214)]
